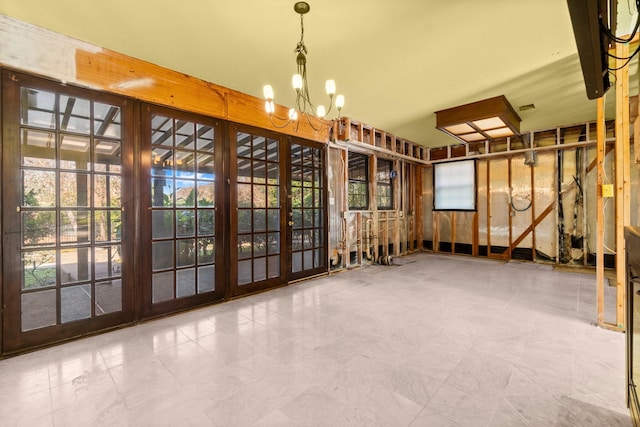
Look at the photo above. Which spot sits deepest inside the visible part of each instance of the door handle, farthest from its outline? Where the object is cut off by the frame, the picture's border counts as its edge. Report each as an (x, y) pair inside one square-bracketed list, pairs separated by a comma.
[(290, 223)]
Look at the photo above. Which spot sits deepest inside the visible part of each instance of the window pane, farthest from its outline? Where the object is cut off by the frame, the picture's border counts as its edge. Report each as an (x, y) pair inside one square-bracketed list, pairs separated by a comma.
[(186, 282), (108, 225), (75, 189), (162, 284), (38, 188), (185, 223), (186, 255), (107, 156), (38, 228), (161, 224), (74, 114), (206, 222), (206, 251), (75, 303), (162, 192), (185, 193), (106, 120), (206, 193), (185, 134), (108, 297), (38, 149), (107, 190), (244, 221), (108, 261), (162, 255), (75, 265), (259, 245), (38, 269), (38, 309), (37, 108), (244, 272), (75, 152), (75, 226), (162, 131), (259, 269), (206, 279), (205, 138)]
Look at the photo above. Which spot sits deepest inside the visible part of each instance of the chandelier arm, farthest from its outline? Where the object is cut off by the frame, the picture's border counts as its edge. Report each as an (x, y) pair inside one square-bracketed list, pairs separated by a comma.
[(308, 117), (330, 105), (286, 121)]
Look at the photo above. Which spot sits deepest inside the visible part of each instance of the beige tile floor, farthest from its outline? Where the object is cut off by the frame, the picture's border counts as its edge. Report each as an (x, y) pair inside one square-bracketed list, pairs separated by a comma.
[(436, 341)]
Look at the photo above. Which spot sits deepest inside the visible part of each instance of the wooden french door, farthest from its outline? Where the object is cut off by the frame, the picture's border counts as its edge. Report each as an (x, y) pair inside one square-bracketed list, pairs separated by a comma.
[(67, 211), (278, 215), (257, 184), (307, 216), (182, 210)]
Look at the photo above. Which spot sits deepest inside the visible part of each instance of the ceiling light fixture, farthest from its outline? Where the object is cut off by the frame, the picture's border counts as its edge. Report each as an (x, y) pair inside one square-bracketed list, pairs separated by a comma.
[(478, 121), (303, 104)]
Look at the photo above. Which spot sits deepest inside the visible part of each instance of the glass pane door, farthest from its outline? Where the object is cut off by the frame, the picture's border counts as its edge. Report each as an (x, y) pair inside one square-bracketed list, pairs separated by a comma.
[(182, 210), (69, 154), (307, 214), (256, 214)]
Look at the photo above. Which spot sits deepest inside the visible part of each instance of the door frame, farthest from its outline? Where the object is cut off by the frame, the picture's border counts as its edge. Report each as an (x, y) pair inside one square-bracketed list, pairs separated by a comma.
[(13, 338)]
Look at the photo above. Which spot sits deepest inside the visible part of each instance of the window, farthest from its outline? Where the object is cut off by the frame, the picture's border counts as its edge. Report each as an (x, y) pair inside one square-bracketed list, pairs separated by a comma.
[(454, 186), (358, 181), (384, 184)]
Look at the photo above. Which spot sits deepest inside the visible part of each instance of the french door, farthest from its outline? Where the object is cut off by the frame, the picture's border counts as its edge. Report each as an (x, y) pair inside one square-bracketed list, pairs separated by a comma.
[(307, 216), (277, 213), (115, 211), (67, 211), (182, 205)]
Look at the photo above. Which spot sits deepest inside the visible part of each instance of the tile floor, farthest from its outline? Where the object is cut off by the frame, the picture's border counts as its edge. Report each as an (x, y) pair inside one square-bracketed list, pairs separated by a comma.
[(434, 340)]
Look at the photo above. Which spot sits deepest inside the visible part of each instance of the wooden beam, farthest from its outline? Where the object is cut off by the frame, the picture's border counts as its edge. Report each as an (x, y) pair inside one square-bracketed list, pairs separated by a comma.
[(531, 227), (534, 254), (600, 156), (419, 209), (622, 177)]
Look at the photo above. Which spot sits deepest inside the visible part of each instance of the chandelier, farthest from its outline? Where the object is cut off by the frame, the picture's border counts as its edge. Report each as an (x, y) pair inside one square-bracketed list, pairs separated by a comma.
[(303, 104)]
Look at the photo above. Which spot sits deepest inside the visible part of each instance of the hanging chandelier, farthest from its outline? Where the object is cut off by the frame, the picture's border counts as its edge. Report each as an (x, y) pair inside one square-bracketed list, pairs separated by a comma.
[(303, 104)]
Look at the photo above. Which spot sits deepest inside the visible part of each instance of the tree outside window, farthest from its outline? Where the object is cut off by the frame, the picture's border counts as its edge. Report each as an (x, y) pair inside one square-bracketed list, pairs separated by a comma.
[(358, 193)]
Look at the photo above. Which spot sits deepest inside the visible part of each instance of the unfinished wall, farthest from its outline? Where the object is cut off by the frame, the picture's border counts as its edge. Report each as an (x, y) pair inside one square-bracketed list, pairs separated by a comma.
[(544, 212)]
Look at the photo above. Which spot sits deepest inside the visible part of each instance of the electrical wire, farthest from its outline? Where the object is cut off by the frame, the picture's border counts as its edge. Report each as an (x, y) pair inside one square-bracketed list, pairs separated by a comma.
[(605, 29)]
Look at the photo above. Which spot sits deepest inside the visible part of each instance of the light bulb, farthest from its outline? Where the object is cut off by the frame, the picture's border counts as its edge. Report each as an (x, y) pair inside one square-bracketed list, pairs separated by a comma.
[(320, 111), (269, 106), (293, 114), (339, 101), (330, 86), (268, 92), (296, 81)]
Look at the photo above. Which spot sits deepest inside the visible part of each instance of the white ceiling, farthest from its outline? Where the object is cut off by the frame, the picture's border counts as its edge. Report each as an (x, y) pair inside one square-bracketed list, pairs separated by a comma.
[(396, 62)]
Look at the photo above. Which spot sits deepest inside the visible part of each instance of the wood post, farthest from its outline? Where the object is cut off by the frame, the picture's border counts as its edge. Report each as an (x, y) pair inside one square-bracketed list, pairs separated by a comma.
[(600, 143), (622, 173)]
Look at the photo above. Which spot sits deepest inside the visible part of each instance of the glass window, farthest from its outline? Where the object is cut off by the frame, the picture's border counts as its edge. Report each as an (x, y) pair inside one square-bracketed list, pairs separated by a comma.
[(358, 181)]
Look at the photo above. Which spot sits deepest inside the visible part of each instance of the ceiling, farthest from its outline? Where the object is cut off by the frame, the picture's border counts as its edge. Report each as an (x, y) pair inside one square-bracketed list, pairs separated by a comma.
[(396, 62)]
